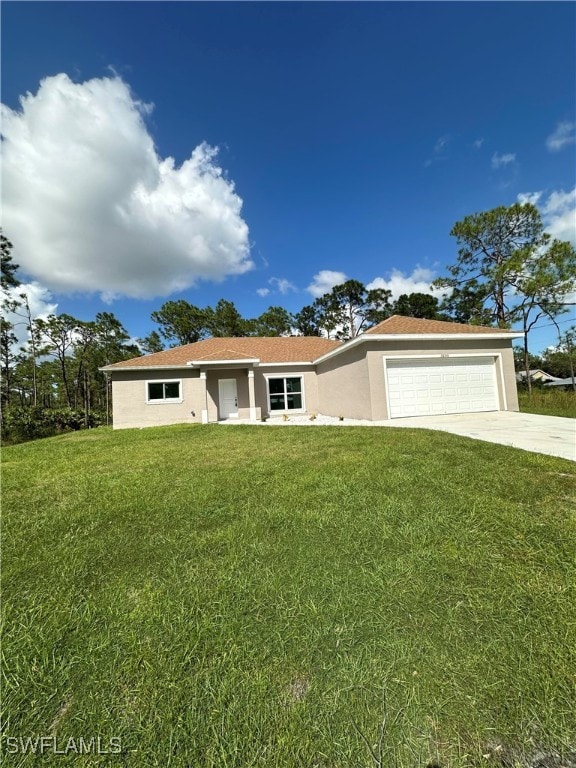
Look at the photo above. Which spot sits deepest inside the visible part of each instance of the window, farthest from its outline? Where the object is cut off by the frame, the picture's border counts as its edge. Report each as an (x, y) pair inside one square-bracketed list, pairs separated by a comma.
[(163, 391), (285, 394)]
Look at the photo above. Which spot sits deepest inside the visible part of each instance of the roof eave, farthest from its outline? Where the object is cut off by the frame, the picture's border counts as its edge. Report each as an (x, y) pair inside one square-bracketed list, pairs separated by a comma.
[(243, 361), (287, 362), (112, 368), (417, 337)]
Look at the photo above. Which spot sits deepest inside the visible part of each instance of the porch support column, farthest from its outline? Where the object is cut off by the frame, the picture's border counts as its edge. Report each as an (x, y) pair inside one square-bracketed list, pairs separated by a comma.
[(204, 390), (251, 395)]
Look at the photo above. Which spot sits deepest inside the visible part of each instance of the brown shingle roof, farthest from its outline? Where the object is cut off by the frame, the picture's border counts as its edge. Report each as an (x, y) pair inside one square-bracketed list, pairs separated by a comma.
[(289, 349), (397, 324)]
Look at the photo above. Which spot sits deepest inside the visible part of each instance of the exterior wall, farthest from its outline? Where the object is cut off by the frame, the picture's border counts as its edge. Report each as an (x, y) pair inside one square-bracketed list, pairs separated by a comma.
[(310, 381), (129, 406), (344, 385), (351, 384), (505, 375), (509, 376)]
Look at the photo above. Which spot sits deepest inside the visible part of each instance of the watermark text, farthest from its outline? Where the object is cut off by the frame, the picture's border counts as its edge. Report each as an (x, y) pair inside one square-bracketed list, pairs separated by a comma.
[(42, 745)]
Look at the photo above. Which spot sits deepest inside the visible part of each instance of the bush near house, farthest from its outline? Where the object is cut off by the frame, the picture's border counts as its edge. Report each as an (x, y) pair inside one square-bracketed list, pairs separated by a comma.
[(22, 423)]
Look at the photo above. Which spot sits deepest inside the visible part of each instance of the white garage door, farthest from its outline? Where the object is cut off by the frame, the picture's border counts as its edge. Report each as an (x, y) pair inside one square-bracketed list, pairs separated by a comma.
[(438, 385)]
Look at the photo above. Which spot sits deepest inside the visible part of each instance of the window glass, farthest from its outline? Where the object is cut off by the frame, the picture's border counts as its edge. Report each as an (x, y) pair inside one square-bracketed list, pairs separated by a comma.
[(172, 389), (276, 386), (285, 393), (155, 391), (293, 385), (294, 401), (163, 390)]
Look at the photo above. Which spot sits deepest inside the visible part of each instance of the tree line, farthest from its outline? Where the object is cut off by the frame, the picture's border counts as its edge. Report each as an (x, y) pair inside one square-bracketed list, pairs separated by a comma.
[(342, 313), (508, 271)]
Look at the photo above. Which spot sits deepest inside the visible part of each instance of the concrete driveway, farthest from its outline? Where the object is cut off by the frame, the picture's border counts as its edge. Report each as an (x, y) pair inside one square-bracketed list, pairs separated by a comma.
[(540, 434)]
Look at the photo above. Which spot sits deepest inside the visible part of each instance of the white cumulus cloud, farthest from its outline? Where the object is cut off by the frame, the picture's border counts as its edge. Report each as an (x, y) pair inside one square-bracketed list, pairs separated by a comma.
[(262, 291), (562, 136), (500, 161), (418, 281), (40, 302), (324, 281), (90, 206), (558, 211)]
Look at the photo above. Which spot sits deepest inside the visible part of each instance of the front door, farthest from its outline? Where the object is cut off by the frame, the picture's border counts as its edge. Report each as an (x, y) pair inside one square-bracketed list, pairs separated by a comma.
[(228, 399)]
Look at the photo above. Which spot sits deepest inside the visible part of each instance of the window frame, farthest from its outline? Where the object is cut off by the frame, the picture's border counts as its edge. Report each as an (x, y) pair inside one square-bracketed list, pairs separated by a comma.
[(163, 400), (285, 376)]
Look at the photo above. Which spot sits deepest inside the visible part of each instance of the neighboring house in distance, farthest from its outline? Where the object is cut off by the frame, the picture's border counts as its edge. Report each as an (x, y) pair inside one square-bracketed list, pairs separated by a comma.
[(400, 367), (568, 383), (536, 374)]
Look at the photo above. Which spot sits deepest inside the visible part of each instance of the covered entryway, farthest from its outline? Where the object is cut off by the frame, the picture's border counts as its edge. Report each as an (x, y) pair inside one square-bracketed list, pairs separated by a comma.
[(438, 385), (227, 399)]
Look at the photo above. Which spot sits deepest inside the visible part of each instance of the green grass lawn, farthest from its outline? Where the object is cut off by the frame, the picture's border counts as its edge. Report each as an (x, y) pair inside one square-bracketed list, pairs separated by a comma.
[(548, 402), (300, 596)]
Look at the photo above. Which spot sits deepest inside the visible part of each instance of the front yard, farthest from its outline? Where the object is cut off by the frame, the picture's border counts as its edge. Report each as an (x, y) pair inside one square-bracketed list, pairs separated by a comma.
[(215, 596)]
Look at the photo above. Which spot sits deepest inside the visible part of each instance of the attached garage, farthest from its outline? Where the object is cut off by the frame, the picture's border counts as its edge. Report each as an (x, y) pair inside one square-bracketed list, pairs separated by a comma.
[(439, 385)]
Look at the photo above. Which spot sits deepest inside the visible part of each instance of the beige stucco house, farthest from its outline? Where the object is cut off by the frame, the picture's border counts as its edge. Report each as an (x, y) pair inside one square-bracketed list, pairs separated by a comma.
[(401, 367)]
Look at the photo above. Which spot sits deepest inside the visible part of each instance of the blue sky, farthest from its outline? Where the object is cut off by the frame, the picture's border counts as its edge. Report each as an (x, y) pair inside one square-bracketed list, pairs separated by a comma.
[(351, 137)]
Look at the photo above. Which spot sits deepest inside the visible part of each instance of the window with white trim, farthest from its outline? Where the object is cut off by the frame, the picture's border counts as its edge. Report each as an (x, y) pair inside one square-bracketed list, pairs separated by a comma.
[(285, 393), (164, 391)]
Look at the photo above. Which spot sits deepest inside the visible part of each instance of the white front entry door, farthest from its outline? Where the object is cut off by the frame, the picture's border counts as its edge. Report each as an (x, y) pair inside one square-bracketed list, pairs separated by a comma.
[(439, 385), (227, 399)]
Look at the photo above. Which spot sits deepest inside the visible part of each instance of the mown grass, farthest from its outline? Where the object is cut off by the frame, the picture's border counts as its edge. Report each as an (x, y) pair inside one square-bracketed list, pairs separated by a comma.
[(548, 402), (257, 596)]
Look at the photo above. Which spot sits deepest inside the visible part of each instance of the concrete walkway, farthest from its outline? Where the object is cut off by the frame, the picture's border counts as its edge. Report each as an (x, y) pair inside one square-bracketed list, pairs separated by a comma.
[(541, 434)]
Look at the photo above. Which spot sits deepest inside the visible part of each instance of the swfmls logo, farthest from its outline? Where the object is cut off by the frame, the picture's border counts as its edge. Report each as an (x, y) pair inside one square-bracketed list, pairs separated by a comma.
[(41, 745)]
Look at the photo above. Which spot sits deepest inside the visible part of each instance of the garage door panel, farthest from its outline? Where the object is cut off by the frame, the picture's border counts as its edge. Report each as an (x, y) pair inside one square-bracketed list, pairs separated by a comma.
[(456, 385)]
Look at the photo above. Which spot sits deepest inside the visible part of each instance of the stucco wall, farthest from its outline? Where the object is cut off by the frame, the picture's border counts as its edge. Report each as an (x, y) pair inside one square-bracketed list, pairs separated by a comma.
[(501, 349), (509, 376), (352, 383), (344, 385), (129, 406)]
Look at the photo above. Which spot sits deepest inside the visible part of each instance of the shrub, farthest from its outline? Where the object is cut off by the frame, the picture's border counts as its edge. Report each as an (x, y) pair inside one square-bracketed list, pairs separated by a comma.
[(30, 422)]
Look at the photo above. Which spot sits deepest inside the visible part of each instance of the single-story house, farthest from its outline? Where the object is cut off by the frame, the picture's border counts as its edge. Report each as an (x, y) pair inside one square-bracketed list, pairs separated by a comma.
[(568, 383), (400, 367), (537, 375)]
